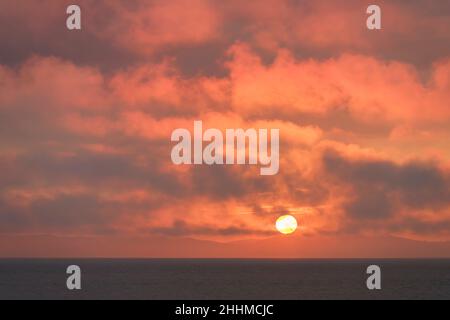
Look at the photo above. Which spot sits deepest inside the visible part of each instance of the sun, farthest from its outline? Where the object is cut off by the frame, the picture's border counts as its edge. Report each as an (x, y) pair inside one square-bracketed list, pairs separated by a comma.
[(286, 224)]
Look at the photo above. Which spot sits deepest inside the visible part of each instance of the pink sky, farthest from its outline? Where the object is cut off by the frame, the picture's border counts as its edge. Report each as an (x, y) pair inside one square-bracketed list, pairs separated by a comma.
[(86, 118)]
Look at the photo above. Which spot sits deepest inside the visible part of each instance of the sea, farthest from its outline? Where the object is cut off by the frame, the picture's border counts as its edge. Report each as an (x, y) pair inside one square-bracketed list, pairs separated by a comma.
[(224, 279)]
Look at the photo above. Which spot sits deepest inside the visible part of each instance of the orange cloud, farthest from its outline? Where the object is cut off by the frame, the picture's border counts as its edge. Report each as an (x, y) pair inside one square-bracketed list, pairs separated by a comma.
[(85, 128), (368, 88), (148, 26)]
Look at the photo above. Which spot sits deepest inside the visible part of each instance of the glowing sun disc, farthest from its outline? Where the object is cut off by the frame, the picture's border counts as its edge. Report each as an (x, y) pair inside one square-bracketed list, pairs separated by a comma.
[(286, 224)]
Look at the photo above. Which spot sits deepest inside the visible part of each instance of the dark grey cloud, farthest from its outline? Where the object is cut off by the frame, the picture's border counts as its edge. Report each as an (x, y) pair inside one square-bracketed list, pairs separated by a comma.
[(370, 204), (222, 182), (64, 212), (12, 218), (379, 188), (39, 29), (182, 229), (69, 211), (422, 227)]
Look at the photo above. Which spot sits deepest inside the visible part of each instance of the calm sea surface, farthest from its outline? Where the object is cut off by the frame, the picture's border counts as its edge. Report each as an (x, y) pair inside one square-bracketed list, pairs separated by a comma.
[(224, 279)]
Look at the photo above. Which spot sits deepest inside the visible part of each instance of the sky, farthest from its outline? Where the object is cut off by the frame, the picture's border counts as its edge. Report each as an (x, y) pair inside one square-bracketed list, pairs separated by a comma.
[(86, 118)]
